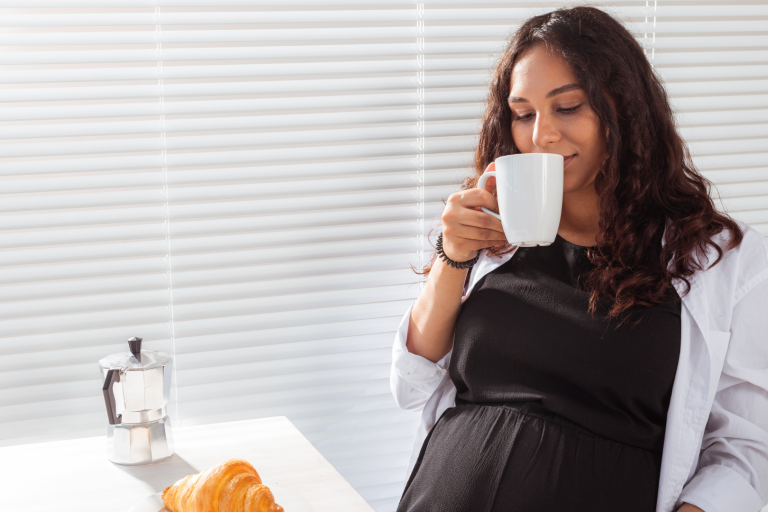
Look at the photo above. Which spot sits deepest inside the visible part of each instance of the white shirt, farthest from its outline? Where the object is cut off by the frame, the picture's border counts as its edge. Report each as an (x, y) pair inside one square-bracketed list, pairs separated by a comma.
[(716, 439)]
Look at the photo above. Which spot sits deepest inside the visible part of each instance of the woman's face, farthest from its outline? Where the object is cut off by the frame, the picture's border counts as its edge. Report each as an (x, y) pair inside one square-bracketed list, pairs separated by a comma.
[(551, 114)]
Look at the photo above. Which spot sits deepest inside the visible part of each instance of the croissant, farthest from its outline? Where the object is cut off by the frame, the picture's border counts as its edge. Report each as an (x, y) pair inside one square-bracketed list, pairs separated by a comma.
[(232, 486)]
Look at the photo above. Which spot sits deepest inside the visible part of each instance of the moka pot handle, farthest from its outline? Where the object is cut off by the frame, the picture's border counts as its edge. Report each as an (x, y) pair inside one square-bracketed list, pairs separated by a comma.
[(112, 377)]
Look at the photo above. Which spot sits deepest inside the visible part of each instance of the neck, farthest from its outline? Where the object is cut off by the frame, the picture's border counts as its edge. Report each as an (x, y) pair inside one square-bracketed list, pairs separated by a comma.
[(580, 217)]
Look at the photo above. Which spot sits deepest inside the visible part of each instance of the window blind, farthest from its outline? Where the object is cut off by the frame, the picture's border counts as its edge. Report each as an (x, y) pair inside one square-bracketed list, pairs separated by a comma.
[(291, 139), (245, 184), (239, 183), (83, 221), (713, 58)]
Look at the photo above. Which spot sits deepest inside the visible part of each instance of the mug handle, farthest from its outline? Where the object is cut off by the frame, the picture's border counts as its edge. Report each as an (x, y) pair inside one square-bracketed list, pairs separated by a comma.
[(481, 184)]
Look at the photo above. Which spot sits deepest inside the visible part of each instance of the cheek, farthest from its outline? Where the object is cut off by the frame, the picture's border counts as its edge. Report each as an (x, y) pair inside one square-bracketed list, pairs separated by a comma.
[(584, 137), (585, 134), (523, 137)]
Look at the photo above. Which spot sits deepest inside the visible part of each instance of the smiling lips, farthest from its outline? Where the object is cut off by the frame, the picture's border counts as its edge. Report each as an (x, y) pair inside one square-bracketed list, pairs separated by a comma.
[(567, 160)]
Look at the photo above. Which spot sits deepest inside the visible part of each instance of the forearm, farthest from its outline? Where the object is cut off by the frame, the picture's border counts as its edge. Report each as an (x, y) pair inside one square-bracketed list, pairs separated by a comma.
[(430, 329), (687, 507)]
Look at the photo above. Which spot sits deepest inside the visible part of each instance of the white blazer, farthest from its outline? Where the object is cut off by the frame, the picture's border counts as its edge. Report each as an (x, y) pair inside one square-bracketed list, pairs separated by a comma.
[(716, 440)]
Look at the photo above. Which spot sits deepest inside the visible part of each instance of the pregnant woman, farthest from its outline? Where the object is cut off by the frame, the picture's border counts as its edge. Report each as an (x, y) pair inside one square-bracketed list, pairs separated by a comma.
[(624, 367)]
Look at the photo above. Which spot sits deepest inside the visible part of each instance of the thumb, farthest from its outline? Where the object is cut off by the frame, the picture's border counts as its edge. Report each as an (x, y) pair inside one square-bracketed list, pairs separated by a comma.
[(490, 185)]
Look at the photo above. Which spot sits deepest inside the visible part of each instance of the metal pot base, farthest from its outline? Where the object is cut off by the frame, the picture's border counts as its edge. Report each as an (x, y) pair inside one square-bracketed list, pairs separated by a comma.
[(134, 444)]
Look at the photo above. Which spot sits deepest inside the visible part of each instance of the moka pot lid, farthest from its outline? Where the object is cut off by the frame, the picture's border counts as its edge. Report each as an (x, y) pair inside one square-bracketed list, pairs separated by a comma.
[(135, 359)]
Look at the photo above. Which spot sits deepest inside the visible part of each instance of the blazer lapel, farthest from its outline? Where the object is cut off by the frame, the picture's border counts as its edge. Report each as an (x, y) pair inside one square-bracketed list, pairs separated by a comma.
[(702, 352)]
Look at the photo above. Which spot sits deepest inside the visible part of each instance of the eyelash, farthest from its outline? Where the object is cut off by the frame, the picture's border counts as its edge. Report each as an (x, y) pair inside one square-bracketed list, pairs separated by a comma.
[(564, 110)]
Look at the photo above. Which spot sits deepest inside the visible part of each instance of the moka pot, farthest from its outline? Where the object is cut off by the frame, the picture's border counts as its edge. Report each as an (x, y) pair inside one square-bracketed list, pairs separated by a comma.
[(137, 388)]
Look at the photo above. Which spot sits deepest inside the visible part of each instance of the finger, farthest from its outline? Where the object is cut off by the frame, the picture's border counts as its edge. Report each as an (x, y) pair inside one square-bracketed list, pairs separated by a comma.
[(476, 245), (480, 219), (473, 233), (474, 197)]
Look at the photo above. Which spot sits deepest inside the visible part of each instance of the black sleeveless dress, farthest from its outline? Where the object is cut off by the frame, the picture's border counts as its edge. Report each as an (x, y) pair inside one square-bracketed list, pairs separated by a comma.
[(555, 410)]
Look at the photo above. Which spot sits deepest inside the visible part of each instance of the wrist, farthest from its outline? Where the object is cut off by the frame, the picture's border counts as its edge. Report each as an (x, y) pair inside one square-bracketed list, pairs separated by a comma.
[(461, 258), (458, 264), (445, 265)]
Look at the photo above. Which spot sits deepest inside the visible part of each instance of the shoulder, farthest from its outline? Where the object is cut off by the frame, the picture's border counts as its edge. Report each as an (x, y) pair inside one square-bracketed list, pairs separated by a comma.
[(743, 266)]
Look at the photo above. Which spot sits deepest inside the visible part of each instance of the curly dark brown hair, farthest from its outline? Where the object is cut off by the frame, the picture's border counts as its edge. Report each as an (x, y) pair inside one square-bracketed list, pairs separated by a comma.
[(647, 182)]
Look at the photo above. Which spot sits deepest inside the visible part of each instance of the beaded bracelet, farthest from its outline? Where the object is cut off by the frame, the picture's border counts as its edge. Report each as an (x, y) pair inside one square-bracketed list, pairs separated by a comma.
[(449, 261)]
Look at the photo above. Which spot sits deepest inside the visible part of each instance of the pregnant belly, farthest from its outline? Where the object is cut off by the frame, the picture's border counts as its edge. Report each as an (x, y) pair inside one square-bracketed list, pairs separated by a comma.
[(520, 457)]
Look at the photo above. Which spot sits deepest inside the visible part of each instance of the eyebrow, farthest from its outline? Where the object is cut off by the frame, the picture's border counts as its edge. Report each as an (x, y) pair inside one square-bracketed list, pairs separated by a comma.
[(553, 92)]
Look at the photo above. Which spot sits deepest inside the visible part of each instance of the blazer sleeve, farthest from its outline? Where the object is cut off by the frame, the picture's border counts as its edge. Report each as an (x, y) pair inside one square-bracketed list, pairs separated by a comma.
[(732, 471), (413, 378)]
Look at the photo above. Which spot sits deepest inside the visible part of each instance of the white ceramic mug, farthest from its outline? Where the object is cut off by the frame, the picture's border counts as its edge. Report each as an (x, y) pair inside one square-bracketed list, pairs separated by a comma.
[(529, 189)]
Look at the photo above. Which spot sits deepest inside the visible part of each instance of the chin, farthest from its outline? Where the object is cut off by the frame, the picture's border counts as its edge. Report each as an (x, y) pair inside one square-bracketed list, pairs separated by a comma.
[(569, 186)]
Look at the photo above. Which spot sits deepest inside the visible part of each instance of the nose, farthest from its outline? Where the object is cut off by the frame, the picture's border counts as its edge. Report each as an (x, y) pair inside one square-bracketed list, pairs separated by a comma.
[(544, 132)]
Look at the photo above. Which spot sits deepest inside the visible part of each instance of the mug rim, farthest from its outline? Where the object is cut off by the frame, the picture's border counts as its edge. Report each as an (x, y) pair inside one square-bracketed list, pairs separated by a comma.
[(534, 155)]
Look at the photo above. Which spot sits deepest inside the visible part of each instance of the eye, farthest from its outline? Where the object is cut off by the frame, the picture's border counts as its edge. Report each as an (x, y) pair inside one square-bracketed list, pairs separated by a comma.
[(563, 110), (570, 110)]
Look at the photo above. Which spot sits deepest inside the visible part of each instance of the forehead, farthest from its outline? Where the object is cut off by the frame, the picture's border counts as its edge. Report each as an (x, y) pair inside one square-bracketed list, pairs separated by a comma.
[(540, 70)]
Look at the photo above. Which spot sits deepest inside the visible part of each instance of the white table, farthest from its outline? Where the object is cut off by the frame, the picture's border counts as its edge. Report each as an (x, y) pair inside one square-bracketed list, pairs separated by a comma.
[(75, 475)]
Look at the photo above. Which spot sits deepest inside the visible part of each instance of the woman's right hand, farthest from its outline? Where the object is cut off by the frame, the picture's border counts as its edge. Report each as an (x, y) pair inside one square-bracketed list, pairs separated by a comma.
[(466, 228)]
